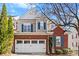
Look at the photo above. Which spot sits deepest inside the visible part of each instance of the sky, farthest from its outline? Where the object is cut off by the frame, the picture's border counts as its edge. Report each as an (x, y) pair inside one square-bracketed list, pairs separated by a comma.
[(16, 9), (19, 9)]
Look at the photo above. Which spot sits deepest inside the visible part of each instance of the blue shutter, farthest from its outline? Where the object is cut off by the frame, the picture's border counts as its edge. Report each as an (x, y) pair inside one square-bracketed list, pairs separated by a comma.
[(38, 25), (50, 42), (62, 41), (54, 41), (44, 25), (31, 27), (22, 27)]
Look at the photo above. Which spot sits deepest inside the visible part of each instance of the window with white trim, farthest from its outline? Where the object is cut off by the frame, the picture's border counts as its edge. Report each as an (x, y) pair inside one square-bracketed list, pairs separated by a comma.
[(76, 44), (76, 35), (41, 42), (26, 27), (42, 25), (26, 42), (19, 42), (34, 42), (58, 41)]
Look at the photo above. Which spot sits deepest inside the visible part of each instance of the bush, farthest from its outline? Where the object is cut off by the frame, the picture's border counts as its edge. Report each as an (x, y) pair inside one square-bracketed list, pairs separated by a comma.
[(67, 51), (70, 51), (64, 51), (58, 51)]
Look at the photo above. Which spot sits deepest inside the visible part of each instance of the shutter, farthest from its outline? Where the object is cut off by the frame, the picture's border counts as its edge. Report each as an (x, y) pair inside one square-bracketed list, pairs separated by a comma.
[(38, 25), (31, 27), (54, 41), (62, 41), (22, 27), (44, 25), (50, 41), (50, 44)]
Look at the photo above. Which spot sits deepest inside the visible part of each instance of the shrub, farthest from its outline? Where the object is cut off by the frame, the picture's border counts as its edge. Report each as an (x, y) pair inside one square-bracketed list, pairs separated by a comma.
[(58, 51), (64, 51), (67, 51), (70, 51)]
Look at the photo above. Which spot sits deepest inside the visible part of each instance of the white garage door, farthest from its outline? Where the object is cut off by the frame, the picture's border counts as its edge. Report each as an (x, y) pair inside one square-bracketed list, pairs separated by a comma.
[(30, 46)]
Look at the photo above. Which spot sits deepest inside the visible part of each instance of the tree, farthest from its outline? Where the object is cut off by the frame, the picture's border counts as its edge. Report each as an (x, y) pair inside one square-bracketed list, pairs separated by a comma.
[(10, 34), (65, 15), (3, 30)]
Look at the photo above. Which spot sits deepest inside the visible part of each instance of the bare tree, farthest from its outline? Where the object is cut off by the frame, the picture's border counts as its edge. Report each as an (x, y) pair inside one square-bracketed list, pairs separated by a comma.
[(60, 12), (65, 14), (73, 9)]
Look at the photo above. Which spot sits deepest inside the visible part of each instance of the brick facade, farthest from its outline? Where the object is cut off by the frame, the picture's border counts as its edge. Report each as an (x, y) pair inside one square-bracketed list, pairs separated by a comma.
[(58, 31)]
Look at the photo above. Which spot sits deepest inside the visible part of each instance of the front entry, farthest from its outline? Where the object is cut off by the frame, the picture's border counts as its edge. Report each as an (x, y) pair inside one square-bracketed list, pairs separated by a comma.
[(55, 42)]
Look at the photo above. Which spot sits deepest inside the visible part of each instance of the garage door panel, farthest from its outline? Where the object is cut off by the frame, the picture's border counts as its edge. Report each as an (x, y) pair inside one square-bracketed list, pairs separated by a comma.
[(42, 48), (18, 48), (26, 48), (34, 48)]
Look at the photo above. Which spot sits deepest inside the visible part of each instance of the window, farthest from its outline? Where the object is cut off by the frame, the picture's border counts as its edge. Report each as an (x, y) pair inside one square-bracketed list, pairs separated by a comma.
[(76, 44), (26, 27), (76, 35), (72, 44), (72, 36), (41, 25), (34, 42), (58, 41), (41, 42), (19, 42), (26, 42), (52, 26)]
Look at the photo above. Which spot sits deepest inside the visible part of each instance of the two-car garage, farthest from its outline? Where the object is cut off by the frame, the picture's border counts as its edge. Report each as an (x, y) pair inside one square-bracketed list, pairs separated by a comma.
[(30, 46), (31, 43)]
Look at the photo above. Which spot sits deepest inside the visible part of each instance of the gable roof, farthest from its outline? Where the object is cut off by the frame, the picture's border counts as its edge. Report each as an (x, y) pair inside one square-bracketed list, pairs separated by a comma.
[(58, 28), (33, 13), (58, 31)]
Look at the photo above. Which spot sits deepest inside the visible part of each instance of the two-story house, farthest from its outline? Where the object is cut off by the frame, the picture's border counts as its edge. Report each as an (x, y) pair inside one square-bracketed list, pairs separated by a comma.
[(33, 34)]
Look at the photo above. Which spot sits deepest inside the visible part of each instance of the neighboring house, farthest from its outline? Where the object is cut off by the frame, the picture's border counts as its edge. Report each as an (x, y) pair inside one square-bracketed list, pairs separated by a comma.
[(33, 34), (73, 39), (15, 19)]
